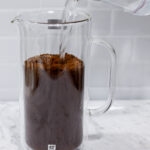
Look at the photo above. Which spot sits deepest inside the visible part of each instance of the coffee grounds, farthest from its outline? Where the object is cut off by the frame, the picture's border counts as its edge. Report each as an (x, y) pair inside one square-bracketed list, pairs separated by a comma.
[(54, 102)]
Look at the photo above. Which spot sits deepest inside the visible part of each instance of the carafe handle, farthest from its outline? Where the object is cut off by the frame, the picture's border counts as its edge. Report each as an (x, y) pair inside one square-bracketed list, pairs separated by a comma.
[(112, 74)]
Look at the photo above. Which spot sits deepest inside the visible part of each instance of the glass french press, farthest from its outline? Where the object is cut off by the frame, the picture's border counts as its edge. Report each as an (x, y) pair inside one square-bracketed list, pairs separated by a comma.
[(53, 89)]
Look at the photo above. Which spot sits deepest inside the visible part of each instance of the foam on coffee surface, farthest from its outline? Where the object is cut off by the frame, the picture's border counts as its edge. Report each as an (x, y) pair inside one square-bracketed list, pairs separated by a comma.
[(49, 61)]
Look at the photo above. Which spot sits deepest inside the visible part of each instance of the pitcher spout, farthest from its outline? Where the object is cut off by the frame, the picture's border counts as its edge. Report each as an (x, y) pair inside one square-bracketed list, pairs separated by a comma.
[(17, 19)]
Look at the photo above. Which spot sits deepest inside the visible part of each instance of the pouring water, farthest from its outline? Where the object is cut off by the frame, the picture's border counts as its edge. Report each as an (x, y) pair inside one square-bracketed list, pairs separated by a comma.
[(67, 16)]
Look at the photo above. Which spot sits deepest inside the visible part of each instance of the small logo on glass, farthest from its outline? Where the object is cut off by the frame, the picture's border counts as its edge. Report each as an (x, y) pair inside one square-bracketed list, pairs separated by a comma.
[(51, 147)]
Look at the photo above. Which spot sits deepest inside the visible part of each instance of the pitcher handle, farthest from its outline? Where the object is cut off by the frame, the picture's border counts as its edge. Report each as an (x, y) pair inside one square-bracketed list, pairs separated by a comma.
[(112, 74)]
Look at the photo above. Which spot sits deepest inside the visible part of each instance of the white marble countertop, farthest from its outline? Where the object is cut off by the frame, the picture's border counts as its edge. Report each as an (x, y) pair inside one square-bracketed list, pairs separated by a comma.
[(125, 127)]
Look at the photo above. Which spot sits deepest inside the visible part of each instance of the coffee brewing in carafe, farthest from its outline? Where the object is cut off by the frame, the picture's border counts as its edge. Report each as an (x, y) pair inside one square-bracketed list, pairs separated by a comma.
[(54, 59), (54, 101), (54, 96)]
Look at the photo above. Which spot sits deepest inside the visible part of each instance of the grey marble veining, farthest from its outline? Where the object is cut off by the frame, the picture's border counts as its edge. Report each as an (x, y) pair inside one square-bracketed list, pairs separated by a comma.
[(125, 127), (9, 121)]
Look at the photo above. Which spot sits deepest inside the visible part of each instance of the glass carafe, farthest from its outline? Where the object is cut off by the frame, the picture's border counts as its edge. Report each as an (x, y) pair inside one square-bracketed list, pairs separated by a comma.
[(137, 7), (54, 89)]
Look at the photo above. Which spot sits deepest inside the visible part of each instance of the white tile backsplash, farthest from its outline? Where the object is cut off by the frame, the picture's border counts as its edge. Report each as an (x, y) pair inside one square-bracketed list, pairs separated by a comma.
[(60, 3), (9, 94), (52, 3), (99, 5), (9, 50), (125, 24), (123, 47), (129, 34), (6, 27), (98, 76), (129, 75), (133, 75), (101, 22), (99, 54), (9, 75), (141, 51), (19, 4)]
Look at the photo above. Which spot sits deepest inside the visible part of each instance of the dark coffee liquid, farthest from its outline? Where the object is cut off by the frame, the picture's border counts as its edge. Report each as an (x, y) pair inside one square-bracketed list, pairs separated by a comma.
[(54, 102)]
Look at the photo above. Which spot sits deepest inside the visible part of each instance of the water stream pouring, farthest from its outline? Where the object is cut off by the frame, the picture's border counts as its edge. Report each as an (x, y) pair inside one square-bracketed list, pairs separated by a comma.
[(69, 14)]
